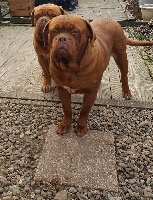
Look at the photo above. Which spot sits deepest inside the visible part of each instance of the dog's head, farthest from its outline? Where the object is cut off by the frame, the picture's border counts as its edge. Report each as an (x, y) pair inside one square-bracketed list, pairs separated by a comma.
[(48, 11), (68, 37)]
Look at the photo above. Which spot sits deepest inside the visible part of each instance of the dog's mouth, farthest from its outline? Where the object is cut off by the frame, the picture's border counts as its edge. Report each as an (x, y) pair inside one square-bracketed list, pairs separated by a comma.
[(64, 52), (62, 55)]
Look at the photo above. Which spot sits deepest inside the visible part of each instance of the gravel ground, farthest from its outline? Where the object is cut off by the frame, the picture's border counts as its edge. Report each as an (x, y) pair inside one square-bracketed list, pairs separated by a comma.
[(23, 126)]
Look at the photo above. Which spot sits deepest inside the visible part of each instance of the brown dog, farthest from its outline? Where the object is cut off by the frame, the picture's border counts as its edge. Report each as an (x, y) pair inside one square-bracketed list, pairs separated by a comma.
[(79, 54), (39, 17)]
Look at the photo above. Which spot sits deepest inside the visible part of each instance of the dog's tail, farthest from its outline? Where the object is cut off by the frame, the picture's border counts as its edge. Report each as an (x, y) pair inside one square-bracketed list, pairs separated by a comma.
[(138, 43)]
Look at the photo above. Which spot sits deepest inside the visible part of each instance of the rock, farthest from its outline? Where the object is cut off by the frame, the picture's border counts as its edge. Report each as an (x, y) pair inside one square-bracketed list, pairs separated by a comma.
[(7, 183), (37, 191), (28, 132), (144, 123), (17, 122), (27, 179), (40, 198), (72, 190), (26, 188), (132, 181), (7, 195), (7, 198), (3, 179), (1, 190), (32, 195), (21, 135), (148, 181), (61, 195), (43, 194), (49, 195), (17, 131), (15, 189), (98, 197), (110, 197), (148, 193), (89, 194)]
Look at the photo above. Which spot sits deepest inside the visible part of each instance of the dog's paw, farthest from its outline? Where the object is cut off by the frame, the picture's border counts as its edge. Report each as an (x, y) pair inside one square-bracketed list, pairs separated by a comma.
[(46, 88), (81, 130), (126, 95), (63, 128)]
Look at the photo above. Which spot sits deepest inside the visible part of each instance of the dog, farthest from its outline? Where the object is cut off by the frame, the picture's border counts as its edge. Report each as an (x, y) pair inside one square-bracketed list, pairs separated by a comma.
[(79, 54), (39, 17)]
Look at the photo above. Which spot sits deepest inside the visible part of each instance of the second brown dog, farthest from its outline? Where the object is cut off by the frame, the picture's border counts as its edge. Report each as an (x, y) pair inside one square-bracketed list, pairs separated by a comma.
[(39, 17)]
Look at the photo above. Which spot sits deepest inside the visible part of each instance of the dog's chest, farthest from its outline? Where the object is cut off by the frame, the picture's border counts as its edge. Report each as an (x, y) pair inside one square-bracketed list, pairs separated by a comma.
[(74, 85), (71, 81), (70, 85), (69, 90)]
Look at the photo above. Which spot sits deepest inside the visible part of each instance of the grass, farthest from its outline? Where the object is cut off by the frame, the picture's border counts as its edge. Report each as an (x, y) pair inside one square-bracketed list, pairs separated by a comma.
[(144, 33), (4, 8)]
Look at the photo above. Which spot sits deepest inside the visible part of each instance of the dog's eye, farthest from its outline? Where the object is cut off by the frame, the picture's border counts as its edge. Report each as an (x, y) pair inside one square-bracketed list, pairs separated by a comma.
[(38, 16), (75, 32), (54, 32), (52, 16)]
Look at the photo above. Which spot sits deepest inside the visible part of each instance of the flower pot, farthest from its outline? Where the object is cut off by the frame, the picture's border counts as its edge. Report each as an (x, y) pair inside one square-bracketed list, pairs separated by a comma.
[(142, 2), (147, 11)]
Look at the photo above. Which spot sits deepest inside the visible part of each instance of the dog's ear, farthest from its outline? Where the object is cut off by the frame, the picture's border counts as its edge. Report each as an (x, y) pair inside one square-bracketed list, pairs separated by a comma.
[(62, 10), (92, 35), (45, 34), (32, 17)]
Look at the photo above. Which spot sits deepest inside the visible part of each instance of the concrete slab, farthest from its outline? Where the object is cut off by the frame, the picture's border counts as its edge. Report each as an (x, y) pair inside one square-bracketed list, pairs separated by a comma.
[(85, 162), (91, 9)]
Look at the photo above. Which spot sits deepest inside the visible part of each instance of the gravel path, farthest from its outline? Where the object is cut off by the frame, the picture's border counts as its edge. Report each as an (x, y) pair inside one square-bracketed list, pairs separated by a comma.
[(23, 126)]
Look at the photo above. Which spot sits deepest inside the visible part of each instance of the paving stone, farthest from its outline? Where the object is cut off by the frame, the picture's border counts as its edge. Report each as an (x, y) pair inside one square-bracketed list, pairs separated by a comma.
[(85, 162)]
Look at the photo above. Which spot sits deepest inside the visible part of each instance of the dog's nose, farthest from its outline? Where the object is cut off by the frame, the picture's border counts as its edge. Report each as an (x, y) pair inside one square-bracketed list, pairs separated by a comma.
[(43, 20), (62, 39)]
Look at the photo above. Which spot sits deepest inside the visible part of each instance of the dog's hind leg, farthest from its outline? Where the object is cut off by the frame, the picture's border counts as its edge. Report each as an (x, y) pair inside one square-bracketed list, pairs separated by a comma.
[(122, 63)]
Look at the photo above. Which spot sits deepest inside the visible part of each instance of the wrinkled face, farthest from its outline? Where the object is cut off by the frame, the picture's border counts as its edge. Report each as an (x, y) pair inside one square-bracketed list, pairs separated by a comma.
[(68, 37), (48, 11), (42, 21)]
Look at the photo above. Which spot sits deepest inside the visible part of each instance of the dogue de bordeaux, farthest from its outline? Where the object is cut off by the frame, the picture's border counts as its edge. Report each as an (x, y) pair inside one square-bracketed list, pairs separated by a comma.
[(79, 54), (39, 17)]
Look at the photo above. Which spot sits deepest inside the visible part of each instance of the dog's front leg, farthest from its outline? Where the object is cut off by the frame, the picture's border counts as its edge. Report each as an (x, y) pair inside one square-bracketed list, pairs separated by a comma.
[(88, 101), (65, 97), (46, 86)]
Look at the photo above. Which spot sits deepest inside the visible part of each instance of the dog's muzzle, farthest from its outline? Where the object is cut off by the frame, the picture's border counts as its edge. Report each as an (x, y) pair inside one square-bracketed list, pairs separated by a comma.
[(62, 39), (42, 21)]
